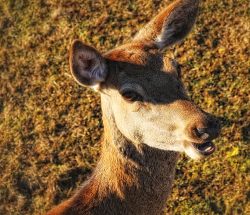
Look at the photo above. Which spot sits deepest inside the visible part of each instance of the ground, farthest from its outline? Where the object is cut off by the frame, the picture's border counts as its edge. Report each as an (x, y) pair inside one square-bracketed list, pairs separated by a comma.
[(50, 128)]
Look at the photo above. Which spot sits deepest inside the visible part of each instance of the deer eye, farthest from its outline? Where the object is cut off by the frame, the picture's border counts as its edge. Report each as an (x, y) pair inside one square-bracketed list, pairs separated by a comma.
[(132, 96)]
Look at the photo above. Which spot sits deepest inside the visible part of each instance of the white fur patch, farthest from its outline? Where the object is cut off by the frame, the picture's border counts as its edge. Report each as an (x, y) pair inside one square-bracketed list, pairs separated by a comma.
[(192, 152), (96, 87)]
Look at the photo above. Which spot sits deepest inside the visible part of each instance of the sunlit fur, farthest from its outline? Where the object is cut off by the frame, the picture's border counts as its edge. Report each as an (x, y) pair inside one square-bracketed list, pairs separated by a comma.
[(142, 139)]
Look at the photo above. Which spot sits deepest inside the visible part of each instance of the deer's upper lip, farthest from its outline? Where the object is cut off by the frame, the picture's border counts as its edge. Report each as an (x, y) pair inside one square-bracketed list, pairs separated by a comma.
[(206, 148)]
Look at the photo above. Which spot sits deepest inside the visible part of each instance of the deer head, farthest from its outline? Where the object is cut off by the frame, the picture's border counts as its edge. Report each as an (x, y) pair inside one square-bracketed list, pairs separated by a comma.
[(142, 92)]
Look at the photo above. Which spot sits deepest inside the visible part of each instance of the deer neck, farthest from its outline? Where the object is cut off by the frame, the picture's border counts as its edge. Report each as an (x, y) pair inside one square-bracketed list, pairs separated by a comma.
[(135, 175)]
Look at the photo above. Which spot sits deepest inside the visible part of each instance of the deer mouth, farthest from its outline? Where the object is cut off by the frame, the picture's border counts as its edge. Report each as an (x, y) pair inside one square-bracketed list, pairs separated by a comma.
[(205, 149)]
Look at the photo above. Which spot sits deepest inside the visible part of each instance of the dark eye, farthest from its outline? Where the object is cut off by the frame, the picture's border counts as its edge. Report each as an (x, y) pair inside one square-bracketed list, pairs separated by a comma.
[(132, 96)]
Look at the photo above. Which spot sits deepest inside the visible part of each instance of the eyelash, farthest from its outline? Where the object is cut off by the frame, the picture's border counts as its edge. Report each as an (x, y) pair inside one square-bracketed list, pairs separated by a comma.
[(132, 96)]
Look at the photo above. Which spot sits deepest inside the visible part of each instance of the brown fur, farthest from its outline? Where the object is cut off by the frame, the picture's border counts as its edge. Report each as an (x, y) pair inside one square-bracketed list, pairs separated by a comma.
[(119, 184), (180, 14)]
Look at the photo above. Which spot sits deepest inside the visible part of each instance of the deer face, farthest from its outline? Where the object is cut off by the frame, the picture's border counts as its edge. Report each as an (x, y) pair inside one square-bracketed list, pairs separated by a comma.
[(142, 91)]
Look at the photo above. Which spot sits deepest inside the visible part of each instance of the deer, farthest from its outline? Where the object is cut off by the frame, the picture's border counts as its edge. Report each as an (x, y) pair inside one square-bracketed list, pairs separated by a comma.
[(147, 116)]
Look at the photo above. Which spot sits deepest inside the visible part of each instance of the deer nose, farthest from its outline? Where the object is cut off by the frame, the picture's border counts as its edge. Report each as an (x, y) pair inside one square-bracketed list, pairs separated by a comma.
[(207, 130)]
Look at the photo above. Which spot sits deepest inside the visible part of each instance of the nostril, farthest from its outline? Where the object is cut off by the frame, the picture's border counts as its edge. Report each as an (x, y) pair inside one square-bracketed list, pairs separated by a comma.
[(202, 133)]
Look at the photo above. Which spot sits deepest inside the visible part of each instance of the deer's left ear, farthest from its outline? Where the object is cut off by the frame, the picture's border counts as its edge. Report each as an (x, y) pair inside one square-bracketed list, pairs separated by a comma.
[(87, 65), (171, 25)]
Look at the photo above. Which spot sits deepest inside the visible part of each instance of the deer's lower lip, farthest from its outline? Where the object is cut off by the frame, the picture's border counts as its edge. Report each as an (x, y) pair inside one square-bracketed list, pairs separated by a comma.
[(206, 148)]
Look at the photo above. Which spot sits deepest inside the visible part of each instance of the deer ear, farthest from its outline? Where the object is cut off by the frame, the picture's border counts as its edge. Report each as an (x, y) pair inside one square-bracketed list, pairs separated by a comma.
[(171, 25), (87, 65)]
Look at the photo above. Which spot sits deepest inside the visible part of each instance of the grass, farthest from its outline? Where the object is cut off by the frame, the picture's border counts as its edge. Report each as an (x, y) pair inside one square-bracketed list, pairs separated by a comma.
[(50, 128)]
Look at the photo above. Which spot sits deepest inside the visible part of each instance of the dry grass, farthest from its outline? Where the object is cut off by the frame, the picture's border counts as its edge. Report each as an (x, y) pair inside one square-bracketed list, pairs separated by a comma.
[(50, 127)]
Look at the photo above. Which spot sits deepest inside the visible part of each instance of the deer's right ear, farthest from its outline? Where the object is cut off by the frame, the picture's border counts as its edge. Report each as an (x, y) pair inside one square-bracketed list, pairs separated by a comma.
[(171, 25), (87, 65)]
